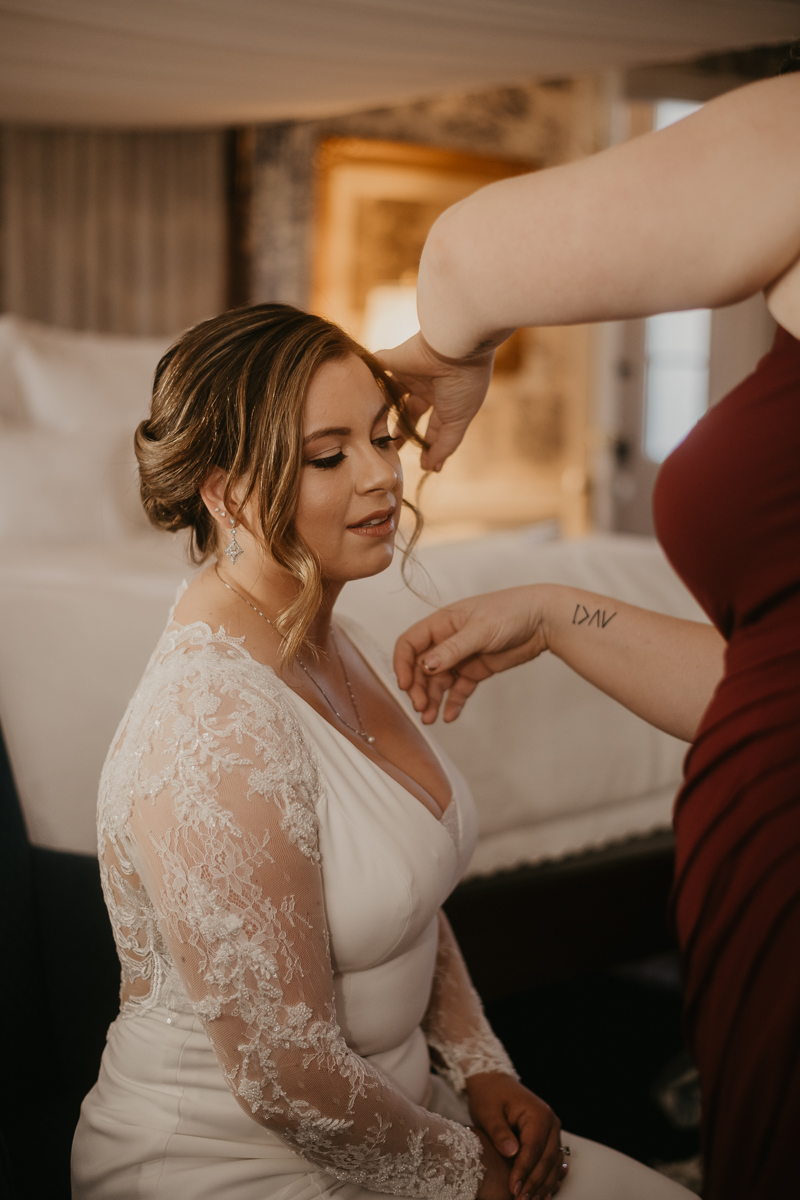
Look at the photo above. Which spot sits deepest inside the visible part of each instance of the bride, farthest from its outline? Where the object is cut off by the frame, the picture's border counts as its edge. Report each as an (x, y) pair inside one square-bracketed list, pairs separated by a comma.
[(277, 834)]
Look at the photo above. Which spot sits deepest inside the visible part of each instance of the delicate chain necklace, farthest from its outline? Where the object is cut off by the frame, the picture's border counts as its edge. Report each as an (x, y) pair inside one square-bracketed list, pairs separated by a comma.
[(361, 731)]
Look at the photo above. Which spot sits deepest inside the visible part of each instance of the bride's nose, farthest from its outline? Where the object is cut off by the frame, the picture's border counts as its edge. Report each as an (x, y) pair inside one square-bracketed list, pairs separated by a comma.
[(377, 473)]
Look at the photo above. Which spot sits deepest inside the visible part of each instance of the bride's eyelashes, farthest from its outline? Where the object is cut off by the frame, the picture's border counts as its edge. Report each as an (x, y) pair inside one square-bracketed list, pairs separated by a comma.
[(332, 460), (325, 464)]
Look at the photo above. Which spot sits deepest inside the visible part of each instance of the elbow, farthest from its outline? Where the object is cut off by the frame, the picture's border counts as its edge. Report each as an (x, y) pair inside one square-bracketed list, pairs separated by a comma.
[(443, 255), (449, 314)]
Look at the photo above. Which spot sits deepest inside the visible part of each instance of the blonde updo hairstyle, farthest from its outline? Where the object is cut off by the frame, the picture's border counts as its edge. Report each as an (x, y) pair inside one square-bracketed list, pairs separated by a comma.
[(230, 394)]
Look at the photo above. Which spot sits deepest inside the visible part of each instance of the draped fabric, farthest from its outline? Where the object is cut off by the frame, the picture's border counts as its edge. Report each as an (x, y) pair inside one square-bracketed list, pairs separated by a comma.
[(737, 904), (116, 232), (727, 508)]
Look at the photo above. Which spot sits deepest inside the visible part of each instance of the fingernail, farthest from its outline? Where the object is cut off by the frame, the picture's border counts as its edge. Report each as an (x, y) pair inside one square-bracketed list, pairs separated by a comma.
[(431, 664), (517, 1188), (508, 1147)]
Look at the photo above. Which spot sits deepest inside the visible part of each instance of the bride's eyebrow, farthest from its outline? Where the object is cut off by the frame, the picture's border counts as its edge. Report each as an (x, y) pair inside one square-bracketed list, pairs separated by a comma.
[(341, 430), (336, 430)]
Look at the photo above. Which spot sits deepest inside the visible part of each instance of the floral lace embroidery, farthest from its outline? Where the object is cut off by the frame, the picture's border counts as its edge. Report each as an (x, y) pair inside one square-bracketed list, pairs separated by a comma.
[(209, 854), (455, 1025)]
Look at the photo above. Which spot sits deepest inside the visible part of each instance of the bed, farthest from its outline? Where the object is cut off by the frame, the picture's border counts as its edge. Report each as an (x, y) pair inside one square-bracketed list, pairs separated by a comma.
[(557, 768), (574, 858)]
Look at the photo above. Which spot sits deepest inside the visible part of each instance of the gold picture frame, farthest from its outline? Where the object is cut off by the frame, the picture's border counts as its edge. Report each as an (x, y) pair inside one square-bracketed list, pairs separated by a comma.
[(524, 457)]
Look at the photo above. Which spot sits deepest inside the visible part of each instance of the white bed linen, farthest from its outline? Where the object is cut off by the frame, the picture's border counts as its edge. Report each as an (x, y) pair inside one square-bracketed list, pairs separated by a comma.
[(555, 766)]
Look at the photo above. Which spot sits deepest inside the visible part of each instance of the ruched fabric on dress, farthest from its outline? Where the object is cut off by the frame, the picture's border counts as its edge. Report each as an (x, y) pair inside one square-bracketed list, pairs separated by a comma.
[(737, 909), (727, 510)]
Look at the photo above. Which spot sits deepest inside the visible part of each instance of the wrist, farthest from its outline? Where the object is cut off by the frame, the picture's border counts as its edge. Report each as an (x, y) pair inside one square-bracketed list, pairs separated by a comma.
[(483, 1079), (481, 356), (549, 615)]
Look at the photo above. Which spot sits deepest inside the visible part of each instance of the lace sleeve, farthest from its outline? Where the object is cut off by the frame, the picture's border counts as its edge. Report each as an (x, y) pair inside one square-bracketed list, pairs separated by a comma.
[(224, 837), (455, 1024)]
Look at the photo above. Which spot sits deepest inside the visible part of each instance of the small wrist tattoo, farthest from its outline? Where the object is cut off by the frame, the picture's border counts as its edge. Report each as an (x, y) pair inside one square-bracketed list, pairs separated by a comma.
[(599, 617)]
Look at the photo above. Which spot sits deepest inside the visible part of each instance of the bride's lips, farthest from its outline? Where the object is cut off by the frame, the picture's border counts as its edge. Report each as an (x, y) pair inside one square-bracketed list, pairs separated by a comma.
[(383, 523)]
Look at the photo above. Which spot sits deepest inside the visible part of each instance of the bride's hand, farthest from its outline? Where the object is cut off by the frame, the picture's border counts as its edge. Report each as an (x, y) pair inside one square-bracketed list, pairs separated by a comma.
[(494, 1185), (455, 648), (454, 388), (522, 1126)]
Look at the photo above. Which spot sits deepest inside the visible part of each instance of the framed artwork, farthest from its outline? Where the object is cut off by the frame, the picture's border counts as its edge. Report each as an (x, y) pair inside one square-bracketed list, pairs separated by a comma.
[(524, 457)]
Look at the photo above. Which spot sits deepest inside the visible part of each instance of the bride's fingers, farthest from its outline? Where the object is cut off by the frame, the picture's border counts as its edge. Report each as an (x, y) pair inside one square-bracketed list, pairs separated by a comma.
[(538, 1183), (503, 1137), (554, 1180)]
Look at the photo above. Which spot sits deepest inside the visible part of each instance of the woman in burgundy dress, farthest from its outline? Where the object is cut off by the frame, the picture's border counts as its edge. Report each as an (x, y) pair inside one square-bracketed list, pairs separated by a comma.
[(701, 214)]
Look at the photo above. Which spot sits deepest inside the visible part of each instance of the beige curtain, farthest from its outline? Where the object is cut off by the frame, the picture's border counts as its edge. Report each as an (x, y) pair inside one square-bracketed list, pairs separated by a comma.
[(122, 232)]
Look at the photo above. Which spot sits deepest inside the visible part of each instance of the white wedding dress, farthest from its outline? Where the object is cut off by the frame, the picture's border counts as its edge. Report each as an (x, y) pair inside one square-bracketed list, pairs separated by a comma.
[(286, 967)]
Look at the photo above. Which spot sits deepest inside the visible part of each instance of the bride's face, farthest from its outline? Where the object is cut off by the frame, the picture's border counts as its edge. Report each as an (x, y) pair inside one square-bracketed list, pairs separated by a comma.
[(352, 483)]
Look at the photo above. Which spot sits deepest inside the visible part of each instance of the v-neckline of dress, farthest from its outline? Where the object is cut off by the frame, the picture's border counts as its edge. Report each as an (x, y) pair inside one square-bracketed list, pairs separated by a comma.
[(441, 819), (293, 695)]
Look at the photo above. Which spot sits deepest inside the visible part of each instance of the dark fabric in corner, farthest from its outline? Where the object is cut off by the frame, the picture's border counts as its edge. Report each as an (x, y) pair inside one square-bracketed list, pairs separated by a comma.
[(59, 993)]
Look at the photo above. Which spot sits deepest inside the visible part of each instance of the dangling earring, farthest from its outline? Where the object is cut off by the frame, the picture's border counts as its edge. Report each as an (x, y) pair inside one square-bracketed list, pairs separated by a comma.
[(233, 549)]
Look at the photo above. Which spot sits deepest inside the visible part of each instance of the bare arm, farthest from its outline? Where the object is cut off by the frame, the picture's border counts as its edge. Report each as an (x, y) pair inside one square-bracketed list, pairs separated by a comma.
[(662, 668), (701, 214)]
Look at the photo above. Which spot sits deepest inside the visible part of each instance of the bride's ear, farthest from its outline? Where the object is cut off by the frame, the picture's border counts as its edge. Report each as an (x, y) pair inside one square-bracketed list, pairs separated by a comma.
[(212, 493)]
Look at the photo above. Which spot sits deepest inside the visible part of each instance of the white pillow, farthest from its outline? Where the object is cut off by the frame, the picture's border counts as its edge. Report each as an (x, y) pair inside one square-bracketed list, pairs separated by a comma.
[(69, 405), (66, 488), (78, 381), (121, 482)]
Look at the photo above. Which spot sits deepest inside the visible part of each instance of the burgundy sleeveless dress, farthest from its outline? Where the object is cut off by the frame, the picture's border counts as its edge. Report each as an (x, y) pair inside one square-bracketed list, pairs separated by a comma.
[(727, 511)]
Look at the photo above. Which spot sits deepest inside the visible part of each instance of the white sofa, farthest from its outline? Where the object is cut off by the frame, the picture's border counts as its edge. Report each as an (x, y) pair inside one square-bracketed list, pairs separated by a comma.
[(557, 768)]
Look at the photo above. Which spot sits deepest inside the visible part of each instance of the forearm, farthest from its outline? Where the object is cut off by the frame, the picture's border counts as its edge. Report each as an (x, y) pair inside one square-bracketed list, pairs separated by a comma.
[(697, 215), (662, 668), (455, 1024)]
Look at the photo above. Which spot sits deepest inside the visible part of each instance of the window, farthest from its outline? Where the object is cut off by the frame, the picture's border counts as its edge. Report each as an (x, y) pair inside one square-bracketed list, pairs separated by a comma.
[(667, 112), (676, 389), (676, 351)]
